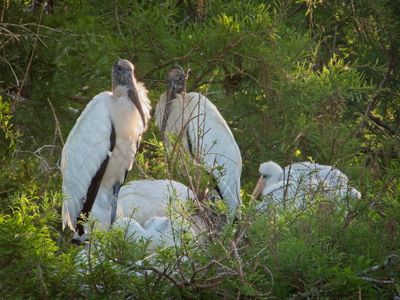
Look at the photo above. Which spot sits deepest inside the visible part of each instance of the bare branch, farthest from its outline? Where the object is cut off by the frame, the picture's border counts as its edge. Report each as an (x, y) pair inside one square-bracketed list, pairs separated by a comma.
[(57, 129), (29, 63), (378, 281)]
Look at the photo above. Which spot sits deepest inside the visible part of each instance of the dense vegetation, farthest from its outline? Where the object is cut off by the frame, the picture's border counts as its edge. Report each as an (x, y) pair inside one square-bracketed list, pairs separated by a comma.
[(296, 80)]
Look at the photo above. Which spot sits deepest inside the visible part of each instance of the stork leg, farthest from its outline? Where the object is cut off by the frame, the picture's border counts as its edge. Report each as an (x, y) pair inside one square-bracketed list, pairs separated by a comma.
[(116, 188)]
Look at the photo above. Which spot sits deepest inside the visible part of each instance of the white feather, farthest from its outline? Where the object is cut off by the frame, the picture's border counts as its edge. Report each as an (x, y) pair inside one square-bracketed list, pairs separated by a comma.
[(88, 145), (158, 231), (84, 151), (210, 137), (143, 199), (293, 194), (299, 180)]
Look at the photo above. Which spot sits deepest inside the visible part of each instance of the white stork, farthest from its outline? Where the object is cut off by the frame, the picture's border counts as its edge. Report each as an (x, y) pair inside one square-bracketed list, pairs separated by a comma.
[(301, 179), (203, 132), (100, 150)]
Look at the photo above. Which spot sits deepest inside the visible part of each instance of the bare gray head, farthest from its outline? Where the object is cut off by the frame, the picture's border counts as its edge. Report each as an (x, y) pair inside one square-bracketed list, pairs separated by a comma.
[(122, 73), (176, 80)]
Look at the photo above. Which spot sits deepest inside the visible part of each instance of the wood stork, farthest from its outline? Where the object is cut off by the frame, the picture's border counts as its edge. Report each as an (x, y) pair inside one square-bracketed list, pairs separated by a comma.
[(100, 150), (143, 199), (300, 179), (203, 132), (294, 194), (159, 231)]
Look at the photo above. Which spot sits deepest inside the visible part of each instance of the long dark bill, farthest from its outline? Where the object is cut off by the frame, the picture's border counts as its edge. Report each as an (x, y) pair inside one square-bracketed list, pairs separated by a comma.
[(171, 95), (134, 96)]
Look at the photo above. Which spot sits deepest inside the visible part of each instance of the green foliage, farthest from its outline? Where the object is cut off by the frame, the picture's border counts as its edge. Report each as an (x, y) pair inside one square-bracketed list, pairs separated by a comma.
[(9, 135), (30, 265), (321, 252), (295, 80)]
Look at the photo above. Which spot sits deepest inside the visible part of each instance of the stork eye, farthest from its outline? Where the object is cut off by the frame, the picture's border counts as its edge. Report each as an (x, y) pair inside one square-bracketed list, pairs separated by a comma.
[(119, 68)]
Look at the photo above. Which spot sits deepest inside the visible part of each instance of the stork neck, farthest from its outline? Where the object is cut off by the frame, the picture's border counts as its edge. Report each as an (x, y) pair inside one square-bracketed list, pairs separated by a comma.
[(128, 83), (170, 97), (120, 90)]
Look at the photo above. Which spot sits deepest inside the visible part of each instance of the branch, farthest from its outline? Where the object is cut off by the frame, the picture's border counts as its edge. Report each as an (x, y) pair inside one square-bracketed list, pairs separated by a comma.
[(392, 63), (382, 124), (239, 262), (29, 63), (387, 262), (217, 57), (171, 61), (378, 281), (57, 129)]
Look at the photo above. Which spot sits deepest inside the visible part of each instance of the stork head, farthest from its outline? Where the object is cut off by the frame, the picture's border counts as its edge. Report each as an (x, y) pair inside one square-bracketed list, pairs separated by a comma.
[(123, 75), (175, 81), (270, 173)]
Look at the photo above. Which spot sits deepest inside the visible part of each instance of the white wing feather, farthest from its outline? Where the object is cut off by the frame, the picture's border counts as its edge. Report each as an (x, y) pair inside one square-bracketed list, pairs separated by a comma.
[(335, 181), (143, 199), (158, 231), (292, 193), (85, 149), (212, 139)]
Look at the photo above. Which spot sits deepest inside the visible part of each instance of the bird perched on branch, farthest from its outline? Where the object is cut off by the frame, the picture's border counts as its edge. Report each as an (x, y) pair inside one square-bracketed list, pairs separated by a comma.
[(101, 148), (203, 132)]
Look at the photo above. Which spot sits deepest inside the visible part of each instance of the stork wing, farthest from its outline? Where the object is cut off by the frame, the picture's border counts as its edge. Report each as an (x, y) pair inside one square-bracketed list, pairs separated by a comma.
[(293, 194), (143, 199), (209, 137), (306, 171), (84, 153)]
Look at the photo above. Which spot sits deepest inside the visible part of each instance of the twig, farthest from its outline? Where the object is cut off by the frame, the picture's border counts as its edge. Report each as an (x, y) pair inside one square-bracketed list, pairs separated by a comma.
[(239, 262), (42, 283), (30, 61), (118, 23), (387, 261), (378, 281), (381, 123), (334, 39), (218, 56), (172, 60), (5, 6), (57, 127), (12, 70), (373, 101)]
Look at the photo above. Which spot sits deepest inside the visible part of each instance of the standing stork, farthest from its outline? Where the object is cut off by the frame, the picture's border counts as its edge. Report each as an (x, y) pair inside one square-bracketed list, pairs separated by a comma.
[(203, 132), (100, 150)]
